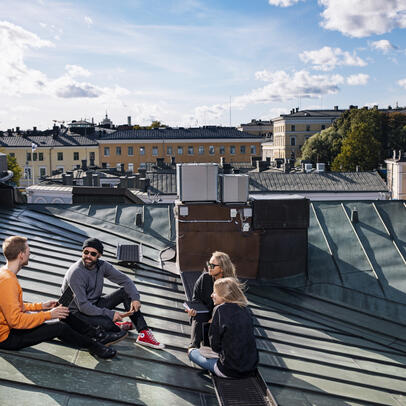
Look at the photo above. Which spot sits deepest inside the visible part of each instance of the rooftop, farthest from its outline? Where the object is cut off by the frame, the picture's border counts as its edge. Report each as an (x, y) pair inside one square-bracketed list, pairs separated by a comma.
[(332, 336)]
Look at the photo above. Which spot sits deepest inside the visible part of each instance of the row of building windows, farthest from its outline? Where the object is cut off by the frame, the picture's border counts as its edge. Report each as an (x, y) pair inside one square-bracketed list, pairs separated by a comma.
[(39, 156), (293, 128), (180, 150)]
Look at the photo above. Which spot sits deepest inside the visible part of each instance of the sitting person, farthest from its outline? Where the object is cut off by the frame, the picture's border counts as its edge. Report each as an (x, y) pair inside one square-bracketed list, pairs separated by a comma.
[(86, 276), (23, 324), (219, 266), (231, 334)]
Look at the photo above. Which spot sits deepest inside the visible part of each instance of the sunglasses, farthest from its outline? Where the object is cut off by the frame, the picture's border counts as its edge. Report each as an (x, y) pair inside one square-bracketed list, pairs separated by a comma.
[(92, 253), (211, 266)]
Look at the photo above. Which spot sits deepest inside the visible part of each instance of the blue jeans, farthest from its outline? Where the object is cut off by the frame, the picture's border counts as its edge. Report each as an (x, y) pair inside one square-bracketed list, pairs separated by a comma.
[(206, 363)]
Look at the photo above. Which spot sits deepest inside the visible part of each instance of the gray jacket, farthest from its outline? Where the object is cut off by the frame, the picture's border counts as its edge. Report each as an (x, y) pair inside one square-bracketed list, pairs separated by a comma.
[(87, 285)]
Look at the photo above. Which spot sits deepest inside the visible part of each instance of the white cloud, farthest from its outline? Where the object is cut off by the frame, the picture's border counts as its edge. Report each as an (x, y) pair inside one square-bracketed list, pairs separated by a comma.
[(282, 86), (358, 80), (88, 20), (16, 78), (402, 82), (383, 45), (328, 58), (283, 3), (360, 18), (75, 70)]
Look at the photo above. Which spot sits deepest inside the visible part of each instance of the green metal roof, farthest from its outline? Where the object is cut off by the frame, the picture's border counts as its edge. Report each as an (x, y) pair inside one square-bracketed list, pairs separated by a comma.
[(322, 339)]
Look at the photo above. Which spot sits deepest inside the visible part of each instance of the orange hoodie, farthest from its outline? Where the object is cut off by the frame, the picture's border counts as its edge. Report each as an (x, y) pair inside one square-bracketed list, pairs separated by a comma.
[(13, 312)]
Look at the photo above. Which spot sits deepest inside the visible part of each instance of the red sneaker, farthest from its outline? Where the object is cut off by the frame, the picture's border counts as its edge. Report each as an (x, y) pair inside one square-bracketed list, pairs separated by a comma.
[(145, 337), (125, 325)]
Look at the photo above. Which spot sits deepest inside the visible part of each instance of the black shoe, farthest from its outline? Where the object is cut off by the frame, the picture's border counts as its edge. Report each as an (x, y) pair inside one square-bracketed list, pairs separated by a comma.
[(111, 337), (102, 351)]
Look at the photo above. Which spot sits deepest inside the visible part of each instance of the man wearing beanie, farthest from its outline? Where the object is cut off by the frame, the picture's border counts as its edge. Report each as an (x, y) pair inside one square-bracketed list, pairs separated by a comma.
[(86, 276)]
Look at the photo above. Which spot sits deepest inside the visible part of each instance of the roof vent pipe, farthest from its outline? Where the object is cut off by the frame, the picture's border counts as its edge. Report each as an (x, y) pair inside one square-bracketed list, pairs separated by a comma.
[(354, 215)]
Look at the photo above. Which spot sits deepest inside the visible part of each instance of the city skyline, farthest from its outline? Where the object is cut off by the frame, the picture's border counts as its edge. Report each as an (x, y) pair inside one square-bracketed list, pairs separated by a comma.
[(194, 63)]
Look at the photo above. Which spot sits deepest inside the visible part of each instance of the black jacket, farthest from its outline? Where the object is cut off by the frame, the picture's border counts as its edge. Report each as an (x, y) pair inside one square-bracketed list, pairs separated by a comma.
[(231, 334), (203, 289)]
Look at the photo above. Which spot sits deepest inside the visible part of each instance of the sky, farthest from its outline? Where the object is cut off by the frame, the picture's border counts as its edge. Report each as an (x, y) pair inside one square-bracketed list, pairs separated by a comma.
[(196, 62)]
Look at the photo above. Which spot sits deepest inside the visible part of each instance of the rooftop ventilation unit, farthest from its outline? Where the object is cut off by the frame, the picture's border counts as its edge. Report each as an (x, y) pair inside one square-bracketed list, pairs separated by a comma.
[(321, 167), (197, 182), (308, 168), (234, 188), (129, 253)]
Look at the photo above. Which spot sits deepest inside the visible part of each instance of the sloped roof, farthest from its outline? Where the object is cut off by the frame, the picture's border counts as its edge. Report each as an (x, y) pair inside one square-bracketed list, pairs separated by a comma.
[(179, 133), (313, 349), (278, 182), (61, 140)]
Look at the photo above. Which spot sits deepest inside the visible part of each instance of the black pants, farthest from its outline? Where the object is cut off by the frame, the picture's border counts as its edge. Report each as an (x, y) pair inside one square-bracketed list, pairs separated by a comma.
[(197, 323), (18, 339), (110, 302)]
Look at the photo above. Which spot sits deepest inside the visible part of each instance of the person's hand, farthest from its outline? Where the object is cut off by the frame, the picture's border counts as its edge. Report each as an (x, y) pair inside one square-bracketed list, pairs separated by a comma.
[(49, 305), (117, 317), (59, 312), (191, 312), (135, 306)]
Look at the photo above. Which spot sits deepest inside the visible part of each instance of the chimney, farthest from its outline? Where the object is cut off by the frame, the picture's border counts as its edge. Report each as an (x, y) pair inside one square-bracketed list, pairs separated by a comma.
[(18, 130), (297, 109), (91, 162), (144, 184), (129, 121), (335, 108), (173, 160), (84, 164), (96, 179), (34, 129), (227, 169), (122, 168), (222, 161), (142, 172)]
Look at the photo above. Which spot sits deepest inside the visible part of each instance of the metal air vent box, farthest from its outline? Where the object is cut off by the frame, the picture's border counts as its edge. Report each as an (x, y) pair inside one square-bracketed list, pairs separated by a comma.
[(197, 182), (234, 188)]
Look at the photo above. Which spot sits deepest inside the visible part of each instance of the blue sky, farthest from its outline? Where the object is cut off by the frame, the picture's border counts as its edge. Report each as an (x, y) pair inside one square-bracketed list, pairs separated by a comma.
[(189, 62)]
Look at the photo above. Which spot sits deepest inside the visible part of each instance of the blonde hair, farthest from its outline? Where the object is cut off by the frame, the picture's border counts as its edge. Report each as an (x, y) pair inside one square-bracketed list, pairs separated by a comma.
[(231, 290), (14, 245), (225, 263)]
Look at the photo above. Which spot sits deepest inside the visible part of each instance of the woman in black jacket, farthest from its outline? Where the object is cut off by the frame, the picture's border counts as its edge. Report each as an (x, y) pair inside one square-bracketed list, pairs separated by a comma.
[(231, 334), (219, 266)]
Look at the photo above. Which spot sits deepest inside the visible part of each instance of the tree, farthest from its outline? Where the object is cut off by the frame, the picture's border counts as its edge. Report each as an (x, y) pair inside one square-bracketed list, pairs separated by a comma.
[(360, 148), (323, 146), (13, 166)]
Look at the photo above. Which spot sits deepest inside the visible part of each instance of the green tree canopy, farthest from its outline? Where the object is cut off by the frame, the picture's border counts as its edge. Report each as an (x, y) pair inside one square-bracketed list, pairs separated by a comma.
[(13, 166), (360, 149)]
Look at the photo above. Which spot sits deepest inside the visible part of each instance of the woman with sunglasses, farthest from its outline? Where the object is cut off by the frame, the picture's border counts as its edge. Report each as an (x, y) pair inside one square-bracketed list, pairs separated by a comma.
[(219, 266)]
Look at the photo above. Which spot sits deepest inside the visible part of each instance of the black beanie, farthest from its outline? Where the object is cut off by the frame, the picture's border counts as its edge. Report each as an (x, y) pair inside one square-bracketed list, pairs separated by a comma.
[(93, 243)]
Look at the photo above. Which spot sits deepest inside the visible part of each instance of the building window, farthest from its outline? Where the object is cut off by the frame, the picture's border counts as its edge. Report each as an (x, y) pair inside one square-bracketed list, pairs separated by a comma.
[(28, 156), (308, 127), (131, 167), (154, 151), (169, 150), (60, 156), (118, 150), (293, 127), (211, 150), (323, 127), (130, 151), (180, 150), (92, 155), (40, 156), (242, 149), (27, 173), (106, 151), (76, 156), (222, 150), (292, 141), (42, 171), (201, 150), (253, 149), (142, 150), (61, 168), (232, 149), (190, 150), (34, 156), (12, 154)]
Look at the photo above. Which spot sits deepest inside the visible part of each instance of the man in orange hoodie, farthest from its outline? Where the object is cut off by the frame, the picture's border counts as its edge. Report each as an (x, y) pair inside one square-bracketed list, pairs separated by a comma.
[(23, 324)]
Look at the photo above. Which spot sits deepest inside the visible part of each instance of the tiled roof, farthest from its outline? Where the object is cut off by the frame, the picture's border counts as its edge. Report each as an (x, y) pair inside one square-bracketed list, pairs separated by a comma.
[(278, 182), (316, 182), (62, 140), (314, 349), (180, 133)]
